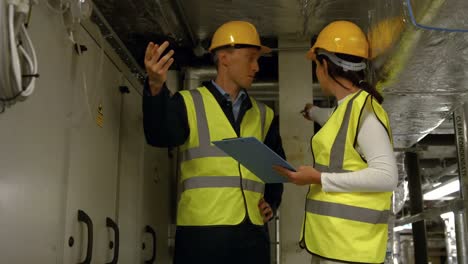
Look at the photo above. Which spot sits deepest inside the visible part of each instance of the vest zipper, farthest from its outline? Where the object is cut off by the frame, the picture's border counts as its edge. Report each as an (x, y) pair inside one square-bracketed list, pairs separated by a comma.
[(302, 243), (237, 128), (247, 216)]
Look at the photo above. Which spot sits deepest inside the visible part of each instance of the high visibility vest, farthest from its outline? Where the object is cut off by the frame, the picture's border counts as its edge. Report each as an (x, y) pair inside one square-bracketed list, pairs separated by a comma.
[(216, 189), (346, 226)]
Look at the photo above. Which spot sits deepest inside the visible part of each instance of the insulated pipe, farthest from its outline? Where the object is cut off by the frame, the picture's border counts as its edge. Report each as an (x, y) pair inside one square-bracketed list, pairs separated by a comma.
[(460, 116), (266, 90), (194, 76)]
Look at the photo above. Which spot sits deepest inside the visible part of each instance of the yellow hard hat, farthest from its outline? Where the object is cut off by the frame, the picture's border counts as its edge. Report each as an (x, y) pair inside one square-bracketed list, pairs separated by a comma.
[(342, 37), (237, 33), (384, 35)]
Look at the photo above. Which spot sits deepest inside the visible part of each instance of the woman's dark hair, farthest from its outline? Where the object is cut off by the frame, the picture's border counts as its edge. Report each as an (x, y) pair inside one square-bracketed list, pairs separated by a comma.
[(358, 78)]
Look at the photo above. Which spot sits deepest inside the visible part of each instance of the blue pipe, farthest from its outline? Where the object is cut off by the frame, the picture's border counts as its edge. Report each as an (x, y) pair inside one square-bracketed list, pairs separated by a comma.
[(416, 24)]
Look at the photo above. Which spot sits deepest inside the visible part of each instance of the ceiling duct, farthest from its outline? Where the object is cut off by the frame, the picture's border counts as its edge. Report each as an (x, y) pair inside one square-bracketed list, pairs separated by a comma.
[(426, 77)]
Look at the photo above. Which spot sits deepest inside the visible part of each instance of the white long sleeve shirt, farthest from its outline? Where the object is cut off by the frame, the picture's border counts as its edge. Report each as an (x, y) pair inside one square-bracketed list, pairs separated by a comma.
[(373, 143)]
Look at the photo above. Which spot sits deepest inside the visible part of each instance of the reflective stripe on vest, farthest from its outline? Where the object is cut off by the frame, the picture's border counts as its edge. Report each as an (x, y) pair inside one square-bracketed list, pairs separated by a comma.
[(348, 212), (222, 181), (338, 148)]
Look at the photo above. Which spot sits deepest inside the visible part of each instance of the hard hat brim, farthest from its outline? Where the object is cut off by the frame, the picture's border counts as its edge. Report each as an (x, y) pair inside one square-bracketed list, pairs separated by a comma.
[(265, 49), (311, 53)]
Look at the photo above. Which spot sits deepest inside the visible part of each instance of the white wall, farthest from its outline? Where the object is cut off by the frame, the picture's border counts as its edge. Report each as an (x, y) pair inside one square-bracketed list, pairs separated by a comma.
[(295, 89), (34, 156), (55, 159), (130, 181)]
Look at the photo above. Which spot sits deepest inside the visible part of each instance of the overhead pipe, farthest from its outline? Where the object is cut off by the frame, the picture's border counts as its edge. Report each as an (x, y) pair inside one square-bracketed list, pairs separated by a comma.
[(194, 76), (265, 90)]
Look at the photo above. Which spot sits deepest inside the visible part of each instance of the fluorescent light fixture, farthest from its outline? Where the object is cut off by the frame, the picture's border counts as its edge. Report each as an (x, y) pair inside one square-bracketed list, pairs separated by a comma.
[(443, 190), (403, 227)]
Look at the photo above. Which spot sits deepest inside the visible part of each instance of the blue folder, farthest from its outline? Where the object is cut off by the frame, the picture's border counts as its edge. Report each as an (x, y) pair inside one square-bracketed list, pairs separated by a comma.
[(255, 156)]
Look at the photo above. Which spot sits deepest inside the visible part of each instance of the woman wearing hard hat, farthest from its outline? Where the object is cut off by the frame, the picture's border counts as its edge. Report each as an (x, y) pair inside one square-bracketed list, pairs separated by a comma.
[(354, 172)]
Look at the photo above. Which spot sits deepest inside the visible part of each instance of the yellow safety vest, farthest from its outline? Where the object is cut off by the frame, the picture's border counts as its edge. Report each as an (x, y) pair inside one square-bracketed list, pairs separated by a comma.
[(346, 226), (216, 189)]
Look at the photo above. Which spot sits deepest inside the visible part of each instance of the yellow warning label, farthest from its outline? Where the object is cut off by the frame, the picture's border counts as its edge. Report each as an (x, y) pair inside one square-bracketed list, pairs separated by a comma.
[(100, 116)]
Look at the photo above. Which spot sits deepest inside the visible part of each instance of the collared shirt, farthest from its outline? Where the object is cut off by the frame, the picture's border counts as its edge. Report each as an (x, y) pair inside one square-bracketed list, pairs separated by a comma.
[(237, 103)]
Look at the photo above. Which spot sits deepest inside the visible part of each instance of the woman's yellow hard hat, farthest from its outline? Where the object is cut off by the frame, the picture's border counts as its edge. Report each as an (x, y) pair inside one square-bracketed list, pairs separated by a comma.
[(342, 37), (384, 35), (237, 33)]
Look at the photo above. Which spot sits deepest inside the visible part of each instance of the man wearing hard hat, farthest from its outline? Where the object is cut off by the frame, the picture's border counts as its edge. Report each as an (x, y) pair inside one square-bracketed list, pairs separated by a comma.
[(223, 206)]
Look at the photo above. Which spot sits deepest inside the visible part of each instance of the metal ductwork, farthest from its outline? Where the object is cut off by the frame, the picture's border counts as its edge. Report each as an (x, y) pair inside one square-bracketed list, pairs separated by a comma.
[(425, 78)]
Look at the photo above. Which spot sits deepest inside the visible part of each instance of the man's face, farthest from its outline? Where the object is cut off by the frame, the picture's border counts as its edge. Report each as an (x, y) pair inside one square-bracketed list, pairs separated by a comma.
[(242, 65)]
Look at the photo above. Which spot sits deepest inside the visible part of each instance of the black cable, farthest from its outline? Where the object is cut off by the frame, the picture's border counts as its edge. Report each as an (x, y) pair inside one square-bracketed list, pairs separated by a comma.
[(138, 92), (29, 13), (3, 101), (14, 97)]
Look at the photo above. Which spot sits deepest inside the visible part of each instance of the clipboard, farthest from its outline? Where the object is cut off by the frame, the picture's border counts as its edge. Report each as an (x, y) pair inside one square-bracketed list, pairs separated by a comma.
[(255, 156)]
